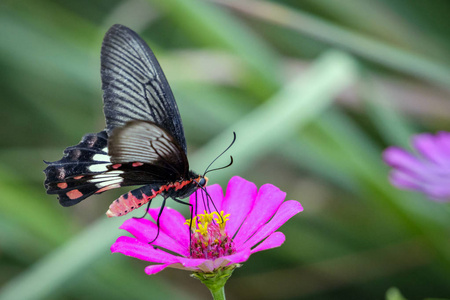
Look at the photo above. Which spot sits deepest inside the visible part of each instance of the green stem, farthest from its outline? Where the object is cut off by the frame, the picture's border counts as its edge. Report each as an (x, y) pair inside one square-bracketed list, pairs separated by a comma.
[(215, 281), (219, 293)]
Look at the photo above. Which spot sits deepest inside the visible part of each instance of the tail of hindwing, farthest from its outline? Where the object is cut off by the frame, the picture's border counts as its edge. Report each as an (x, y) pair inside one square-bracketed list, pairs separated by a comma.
[(82, 171)]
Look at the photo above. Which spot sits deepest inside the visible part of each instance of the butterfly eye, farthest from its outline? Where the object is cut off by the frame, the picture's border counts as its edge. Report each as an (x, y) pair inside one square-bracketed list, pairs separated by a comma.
[(202, 181)]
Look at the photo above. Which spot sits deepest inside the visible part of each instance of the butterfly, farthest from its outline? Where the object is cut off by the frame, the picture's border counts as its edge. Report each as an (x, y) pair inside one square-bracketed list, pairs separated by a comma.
[(143, 142)]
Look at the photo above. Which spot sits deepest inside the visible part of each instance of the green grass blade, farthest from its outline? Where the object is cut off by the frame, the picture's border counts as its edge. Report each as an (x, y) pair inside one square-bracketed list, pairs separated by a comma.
[(271, 124), (205, 23), (386, 54)]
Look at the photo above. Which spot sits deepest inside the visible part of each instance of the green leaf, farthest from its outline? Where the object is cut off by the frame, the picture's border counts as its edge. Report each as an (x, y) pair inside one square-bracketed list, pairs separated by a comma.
[(394, 294)]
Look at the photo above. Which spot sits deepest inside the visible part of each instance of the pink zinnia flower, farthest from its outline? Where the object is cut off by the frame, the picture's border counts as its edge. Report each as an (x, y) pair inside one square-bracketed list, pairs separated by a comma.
[(428, 172), (245, 222)]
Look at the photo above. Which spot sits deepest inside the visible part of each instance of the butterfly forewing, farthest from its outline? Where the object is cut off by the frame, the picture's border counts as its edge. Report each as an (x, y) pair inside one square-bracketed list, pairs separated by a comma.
[(134, 86)]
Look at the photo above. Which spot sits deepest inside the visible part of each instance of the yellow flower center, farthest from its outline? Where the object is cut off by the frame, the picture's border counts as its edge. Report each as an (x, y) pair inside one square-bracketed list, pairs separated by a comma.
[(208, 235), (200, 222)]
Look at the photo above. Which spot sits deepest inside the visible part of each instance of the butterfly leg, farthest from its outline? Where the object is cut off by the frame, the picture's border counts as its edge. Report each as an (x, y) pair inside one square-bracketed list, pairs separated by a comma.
[(191, 209), (159, 217), (146, 210)]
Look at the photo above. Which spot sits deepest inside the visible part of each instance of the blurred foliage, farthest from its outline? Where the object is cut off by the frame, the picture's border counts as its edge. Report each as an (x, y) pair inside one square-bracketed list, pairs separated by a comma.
[(314, 89), (394, 294)]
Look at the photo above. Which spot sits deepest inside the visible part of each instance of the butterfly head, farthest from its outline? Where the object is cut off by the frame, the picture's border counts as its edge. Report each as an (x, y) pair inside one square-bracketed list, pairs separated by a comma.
[(202, 181)]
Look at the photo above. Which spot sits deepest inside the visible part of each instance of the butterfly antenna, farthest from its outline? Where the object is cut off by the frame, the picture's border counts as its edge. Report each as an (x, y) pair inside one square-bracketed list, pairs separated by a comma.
[(224, 167), (191, 209), (231, 144), (210, 200)]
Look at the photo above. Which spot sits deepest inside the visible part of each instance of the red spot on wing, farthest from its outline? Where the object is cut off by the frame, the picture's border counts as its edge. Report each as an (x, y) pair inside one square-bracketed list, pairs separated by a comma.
[(137, 164), (62, 185), (78, 177), (74, 194), (116, 166)]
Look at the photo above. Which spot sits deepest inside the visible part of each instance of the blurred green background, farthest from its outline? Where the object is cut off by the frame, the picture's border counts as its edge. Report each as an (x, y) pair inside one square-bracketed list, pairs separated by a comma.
[(315, 90)]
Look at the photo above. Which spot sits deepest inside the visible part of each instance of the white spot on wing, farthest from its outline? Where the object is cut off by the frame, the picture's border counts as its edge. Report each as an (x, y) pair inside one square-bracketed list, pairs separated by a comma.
[(98, 168), (108, 174), (101, 157), (109, 182)]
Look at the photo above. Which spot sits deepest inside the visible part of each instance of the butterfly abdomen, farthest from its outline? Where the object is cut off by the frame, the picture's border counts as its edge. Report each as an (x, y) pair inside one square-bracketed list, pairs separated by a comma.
[(138, 197), (132, 200)]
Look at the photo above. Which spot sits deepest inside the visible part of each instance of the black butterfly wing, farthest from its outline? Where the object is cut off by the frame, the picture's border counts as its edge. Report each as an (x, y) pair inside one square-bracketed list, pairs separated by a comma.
[(73, 177), (134, 85)]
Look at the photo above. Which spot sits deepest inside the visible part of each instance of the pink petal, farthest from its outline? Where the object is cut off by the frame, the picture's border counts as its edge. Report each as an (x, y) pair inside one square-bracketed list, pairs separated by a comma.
[(274, 240), (404, 180), (429, 146), (401, 159), (235, 258), (207, 266), (438, 191), (437, 188), (177, 265), (444, 141), (286, 211), (146, 231), (216, 193), (238, 202), (267, 203), (202, 264), (135, 248), (172, 223), (153, 269)]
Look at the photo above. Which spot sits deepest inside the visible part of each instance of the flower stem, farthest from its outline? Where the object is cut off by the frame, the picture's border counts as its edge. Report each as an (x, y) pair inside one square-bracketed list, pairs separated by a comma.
[(215, 281), (218, 294)]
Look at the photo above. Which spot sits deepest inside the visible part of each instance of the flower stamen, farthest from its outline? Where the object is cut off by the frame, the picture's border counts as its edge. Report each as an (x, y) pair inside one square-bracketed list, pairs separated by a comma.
[(208, 235)]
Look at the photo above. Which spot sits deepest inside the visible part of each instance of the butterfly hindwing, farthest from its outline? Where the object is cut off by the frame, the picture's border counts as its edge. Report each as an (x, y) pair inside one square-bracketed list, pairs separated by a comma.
[(70, 176), (138, 153), (75, 189), (134, 85), (88, 157)]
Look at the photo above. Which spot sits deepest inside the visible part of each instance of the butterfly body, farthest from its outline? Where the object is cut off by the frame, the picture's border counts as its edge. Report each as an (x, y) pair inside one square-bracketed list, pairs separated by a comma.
[(143, 142), (138, 197)]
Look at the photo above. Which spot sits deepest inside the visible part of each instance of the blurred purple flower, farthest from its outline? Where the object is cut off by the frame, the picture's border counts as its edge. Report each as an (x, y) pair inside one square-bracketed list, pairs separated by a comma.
[(428, 172), (246, 224)]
